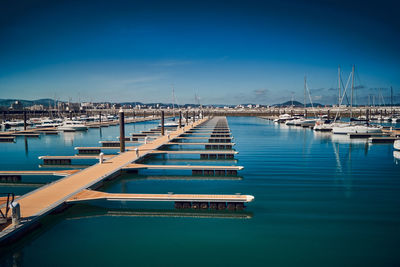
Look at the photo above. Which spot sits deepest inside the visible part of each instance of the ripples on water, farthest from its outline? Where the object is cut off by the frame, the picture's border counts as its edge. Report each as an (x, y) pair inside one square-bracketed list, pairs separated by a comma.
[(320, 200)]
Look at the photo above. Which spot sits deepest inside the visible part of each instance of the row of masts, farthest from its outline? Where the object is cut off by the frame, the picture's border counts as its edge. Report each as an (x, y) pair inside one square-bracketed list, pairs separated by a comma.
[(341, 94)]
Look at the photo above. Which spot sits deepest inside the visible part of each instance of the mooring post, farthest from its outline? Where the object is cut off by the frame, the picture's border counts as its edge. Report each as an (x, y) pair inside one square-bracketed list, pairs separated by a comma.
[(180, 118), (70, 115), (121, 130), (187, 117), (133, 114), (24, 119), (194, 116), (15, 213), (100, 118), (101, 157), (162, 122), (144, 114)]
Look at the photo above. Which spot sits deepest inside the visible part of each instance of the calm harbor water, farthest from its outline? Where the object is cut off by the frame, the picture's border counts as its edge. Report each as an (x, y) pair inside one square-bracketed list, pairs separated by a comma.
[(320, 200)]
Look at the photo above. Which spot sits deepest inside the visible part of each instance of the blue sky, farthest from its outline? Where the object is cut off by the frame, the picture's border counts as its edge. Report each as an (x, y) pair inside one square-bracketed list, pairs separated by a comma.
[(228, 51)]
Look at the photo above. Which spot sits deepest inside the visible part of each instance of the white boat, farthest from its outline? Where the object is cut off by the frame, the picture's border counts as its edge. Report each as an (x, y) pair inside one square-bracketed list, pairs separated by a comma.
[(356, 129), (298, 122), (396, 154), (308, 123), (290, 122), (16, 123), (283, 118), (170, 124), (293, 120), (72, 126), (47, 123), (396, 145), (323, 125)]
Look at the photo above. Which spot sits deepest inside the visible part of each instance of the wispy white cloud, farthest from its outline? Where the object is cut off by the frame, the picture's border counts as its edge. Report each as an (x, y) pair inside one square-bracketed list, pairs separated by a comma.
[(171, 63)]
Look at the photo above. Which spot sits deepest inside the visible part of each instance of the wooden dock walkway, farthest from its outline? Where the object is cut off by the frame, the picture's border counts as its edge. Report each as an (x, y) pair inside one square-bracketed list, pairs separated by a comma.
[(76, 157), (55, 173), (232, 152), (88, 195), (181, 167), (198, 144), (203, 138), (45, 199)]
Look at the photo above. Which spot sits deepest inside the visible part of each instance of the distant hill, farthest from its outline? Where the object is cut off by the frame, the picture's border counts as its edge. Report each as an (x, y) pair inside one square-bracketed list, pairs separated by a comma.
[(297, 104), (27, 103)]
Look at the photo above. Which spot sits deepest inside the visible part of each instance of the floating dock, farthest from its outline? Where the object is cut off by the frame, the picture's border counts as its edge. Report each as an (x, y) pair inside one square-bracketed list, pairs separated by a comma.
[(363, 135), (55, 173), (88, 195), (387, 139), (7, 139), (72, 188)]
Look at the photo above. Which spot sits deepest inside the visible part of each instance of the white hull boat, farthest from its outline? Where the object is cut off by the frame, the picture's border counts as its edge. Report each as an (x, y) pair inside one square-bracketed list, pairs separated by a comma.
[(71, 126), (396, 145), (308, 123), (356, 129)]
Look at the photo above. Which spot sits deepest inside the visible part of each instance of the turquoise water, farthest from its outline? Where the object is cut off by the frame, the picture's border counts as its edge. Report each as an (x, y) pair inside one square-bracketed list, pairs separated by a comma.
[(320, 200)]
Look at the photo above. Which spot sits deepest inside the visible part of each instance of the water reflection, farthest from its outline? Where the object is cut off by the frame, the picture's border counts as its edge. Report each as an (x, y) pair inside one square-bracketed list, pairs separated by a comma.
[(345, 139), (26, 146), (69, 137), (396, 155), (99, 212)]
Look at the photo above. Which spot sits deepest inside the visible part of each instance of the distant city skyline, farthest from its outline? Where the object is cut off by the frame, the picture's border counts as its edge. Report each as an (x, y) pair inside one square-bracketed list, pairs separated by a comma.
[(227, 52)]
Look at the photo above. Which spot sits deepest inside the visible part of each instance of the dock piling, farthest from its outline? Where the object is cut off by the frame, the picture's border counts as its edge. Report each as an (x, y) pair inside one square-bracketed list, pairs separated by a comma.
[(24, 119), (180, 119), (15, 213), (162, 123), (121, 130)]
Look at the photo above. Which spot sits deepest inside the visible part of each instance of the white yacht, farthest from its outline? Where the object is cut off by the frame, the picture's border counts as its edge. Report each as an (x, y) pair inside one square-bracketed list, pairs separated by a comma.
[(293, 119), (323, 125), (396, 145), (308, 123), (71, 126), (170, 124), (283, 118), (340, 129), (16, 123), (47, 123)]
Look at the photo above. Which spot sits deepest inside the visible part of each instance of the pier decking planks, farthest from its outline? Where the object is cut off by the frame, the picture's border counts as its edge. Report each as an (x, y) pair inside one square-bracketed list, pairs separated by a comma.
[(181, 167), (55, 173), (43, 200), (87, 195)]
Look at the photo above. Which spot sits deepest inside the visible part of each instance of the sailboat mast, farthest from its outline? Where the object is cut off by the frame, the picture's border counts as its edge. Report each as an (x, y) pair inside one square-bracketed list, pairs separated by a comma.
[(352, 92), (339, 86), (391, 99), (173, 102), (305, 81)]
